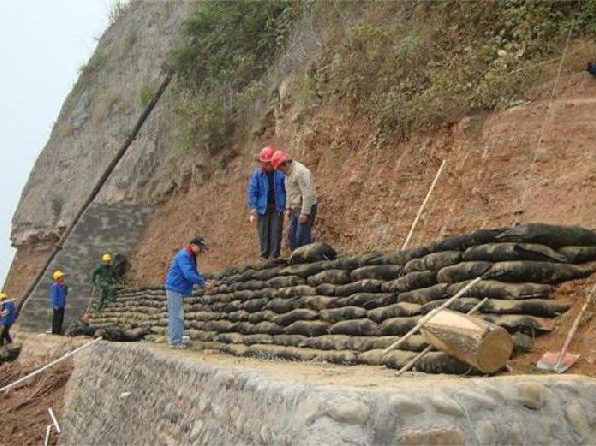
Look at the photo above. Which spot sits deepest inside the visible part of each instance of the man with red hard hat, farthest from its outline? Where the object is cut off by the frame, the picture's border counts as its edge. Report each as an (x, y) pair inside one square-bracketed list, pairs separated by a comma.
[(301, 199), (267, 202)]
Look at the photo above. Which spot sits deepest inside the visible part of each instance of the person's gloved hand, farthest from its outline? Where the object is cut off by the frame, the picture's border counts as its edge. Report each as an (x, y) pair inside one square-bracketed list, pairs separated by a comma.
[(303, 218), (252, 217), (209, 285)]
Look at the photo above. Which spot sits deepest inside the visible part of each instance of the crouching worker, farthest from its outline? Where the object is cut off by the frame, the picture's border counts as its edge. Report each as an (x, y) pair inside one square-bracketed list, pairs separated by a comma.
[(104, 278), (181, 278), (8, 315), (58, 294)]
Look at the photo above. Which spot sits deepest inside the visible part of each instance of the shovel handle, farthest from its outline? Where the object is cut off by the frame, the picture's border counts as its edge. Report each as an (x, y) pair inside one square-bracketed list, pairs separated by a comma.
[(575, 326)]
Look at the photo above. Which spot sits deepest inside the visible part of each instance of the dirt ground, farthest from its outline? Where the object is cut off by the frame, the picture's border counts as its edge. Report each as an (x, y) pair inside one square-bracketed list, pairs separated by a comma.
[(24, 410)]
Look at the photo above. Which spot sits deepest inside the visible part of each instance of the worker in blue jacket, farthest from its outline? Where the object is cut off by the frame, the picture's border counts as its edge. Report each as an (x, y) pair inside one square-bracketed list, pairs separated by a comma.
[(8, 316), (58, 294), (267, 203), (181, 278)]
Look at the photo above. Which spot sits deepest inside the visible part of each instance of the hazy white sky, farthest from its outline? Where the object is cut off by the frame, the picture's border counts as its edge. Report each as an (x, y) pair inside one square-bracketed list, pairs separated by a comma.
[(42, 45)]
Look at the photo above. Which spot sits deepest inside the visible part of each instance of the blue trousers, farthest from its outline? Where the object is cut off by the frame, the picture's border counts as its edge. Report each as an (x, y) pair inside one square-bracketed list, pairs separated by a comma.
[(175, 316), (300, 232)]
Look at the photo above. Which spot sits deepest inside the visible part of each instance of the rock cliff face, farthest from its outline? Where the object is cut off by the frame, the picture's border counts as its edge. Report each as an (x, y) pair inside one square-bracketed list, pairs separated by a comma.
[(104, 105)]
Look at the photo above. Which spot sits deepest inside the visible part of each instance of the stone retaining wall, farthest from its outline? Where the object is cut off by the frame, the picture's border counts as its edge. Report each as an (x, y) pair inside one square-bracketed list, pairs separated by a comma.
[(130, 394)]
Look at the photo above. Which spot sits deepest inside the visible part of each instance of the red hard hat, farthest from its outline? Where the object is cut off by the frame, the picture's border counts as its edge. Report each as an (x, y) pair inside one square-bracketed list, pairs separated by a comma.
[(278, 158), (266, 154)]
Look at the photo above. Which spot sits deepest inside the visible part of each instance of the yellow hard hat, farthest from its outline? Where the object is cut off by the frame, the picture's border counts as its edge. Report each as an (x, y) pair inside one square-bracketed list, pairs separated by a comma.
[(106, 258), (57, 275), (3, 296)]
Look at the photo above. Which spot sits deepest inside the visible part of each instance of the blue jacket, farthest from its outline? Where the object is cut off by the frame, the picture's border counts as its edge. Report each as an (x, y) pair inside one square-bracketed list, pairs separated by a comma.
[(8, 305), (183, 273), (58, 294), (259, 187)]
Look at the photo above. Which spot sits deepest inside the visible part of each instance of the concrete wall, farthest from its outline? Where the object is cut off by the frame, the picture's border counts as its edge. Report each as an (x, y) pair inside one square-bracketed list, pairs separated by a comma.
[(131, 394), (103, 228)]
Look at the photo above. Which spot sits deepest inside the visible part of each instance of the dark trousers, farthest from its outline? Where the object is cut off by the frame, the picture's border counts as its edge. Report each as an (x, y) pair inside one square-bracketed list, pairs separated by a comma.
[(300, 233), (57, 320), (270, 228), (5, 334)]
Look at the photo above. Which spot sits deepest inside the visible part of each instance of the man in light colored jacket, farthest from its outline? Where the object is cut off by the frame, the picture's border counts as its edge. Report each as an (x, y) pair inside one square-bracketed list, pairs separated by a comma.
[(301, 198)]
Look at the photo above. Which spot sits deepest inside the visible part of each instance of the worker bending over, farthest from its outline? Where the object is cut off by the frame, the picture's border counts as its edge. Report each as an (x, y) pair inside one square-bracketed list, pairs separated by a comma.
[(181, 278), (301, 200), (8, 315), (104, 278), (267, 203), (58, 294)]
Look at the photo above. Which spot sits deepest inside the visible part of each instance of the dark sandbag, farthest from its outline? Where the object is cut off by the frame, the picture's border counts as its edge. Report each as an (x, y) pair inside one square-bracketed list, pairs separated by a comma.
[(314, 252), (422, 296), (242, 295), (355, 327), (81, 329), (254, 305), (333, 276), (438, 260), (522, 343), (218, 326), (439, 362), (316, 303), (500, 290), (463, 271), (329, 342), (414, 265), (268, 293), (296, 291), (269, 328), (463, 242), (343, 313), (326, 289), (119, 335), (415, 343), (398, 325), (370, 258), (267, 274), (381, 272), (503, 252), (261, 316), (229, 338), (279, 305), (402, 309), (403, 257), (258, 339), (540, 272), (555, 236), (291, 340), (396, 359), (411, 281), (308, 328), (305, 270), (236, 305), (295, 315), (532, 307), (285, 282), (233, 349), (367, 301), (9, 352), (251, 285), (346, 263), (514, 323), (338, 357), (362, 286), (265, 351), (579, 254), (372, 357)]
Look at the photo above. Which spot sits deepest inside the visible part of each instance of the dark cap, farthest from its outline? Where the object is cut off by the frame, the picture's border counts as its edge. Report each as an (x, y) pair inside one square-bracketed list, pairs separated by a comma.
[(199, 241)]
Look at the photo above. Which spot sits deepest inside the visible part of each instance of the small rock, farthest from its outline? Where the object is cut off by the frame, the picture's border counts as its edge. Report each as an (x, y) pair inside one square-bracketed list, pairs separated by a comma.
[(483, 401), (438, 437), (531, 395), (405, 406), (486, 432), (446, 406), (577, 419), (347, 411)]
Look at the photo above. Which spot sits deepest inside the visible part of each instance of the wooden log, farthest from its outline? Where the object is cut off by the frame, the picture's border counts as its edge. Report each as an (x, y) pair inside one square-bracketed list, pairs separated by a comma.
[(481, 344)]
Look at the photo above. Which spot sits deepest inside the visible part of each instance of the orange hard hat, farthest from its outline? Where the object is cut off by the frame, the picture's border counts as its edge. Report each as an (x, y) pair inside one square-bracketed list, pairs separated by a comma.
[(279, 157), (266, 154)]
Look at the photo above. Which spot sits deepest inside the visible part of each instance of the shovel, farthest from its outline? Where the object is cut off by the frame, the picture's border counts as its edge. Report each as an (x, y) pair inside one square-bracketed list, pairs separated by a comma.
[(562, 361)]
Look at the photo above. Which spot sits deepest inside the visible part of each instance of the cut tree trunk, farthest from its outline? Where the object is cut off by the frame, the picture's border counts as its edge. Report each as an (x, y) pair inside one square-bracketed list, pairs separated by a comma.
[(481, 344)]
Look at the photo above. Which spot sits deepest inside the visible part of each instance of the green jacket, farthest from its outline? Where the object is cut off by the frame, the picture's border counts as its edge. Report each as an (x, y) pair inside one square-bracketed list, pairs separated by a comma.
[(104, 274)]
